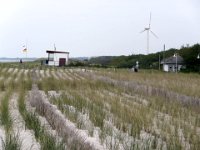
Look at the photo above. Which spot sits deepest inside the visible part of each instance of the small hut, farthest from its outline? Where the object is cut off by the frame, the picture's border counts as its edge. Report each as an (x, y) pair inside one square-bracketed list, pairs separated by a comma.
[(173, 63), (57, 58)]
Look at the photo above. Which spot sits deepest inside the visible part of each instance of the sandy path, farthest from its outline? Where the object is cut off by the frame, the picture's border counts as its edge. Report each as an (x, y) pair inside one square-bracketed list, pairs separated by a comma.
[(26, 136)]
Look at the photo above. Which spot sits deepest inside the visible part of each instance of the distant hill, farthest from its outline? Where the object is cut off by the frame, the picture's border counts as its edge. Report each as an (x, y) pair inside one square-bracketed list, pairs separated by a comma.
[(80, 58), (103, 60)]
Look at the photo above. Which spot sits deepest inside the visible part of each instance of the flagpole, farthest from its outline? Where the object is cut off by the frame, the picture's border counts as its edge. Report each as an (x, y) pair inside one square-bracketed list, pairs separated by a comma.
[(54, 53), (26, 49)]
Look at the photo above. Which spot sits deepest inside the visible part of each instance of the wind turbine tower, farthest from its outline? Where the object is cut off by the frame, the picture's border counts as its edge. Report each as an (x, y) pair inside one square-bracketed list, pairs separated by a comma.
[(148, 29)]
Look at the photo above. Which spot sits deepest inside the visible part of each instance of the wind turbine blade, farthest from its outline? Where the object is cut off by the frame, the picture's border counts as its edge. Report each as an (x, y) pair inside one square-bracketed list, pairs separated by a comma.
[(150, 21), (143, 31), (154, 34)]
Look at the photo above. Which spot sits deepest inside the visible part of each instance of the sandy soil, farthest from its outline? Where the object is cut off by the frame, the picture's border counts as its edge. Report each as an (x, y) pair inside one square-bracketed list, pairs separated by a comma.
[(47, 73), (38, 74), (59, 74), (69, 74), (44, 122), (42, 73), (10, 70), (79, 76), (65, 127), (54, 74), (66, 77), (26, 74), (26, 136), (15, 71), (2, 137), (19, 75)]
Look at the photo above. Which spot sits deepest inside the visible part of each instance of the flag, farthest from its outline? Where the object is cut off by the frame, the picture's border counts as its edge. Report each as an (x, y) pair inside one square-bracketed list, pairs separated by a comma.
[(24, 49)]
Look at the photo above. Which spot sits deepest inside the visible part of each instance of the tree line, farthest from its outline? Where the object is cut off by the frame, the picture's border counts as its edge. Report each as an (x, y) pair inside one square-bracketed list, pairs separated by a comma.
[(151, 61)]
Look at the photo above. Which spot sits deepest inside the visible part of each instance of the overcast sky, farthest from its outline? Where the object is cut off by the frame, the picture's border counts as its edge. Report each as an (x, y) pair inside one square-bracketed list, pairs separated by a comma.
[(96, 27)]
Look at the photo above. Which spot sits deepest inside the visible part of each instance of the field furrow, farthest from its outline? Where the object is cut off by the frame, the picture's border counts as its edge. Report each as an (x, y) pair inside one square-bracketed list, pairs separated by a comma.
[(69, 74), (26, 136), (42, 74), (64, 127), (65, 75)]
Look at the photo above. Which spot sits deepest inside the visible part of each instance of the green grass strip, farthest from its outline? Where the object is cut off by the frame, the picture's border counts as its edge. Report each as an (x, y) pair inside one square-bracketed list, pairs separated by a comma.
[(5, 117), (32, 122)]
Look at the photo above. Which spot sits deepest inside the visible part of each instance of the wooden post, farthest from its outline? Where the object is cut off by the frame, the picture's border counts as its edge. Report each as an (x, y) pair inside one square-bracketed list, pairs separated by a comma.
[(159, 61)]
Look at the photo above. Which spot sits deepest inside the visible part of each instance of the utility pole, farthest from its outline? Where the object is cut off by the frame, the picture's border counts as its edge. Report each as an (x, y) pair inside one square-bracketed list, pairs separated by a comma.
[(159, 61), (198, 58), (163, 56), (176, 64), (176, 67)]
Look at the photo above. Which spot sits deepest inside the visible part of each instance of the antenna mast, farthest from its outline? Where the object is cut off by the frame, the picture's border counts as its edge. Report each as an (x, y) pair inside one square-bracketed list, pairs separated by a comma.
[(54, 47)]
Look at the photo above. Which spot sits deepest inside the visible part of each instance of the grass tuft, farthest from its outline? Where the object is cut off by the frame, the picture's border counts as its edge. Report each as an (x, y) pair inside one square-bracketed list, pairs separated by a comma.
[(12, 142)]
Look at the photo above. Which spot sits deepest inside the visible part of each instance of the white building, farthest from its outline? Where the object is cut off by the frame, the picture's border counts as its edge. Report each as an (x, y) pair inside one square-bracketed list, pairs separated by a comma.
[(57, 58), (173, 64)]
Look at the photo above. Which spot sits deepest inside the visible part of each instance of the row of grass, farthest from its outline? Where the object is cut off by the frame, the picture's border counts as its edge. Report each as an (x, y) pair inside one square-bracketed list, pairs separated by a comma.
[(157, 104), (32, 122), (6, 120), (12, 141), (89, 100), (187, 84)]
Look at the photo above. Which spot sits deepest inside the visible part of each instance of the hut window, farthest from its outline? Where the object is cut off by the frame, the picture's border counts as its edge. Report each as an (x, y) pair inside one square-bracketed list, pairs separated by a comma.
[(51, 56)]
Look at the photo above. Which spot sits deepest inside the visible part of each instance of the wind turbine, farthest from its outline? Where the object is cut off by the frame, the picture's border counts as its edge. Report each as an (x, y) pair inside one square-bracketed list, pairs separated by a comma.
[(148, 29)]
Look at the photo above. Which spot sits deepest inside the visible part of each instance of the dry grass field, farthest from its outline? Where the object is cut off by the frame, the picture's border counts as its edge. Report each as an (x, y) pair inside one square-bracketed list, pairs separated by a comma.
[(115, 109)]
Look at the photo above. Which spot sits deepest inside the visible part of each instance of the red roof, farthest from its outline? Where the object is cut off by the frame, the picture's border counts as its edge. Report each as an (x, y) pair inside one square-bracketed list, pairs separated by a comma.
[(50, 51)]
